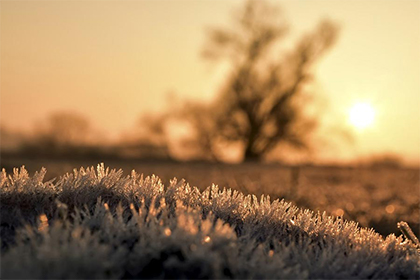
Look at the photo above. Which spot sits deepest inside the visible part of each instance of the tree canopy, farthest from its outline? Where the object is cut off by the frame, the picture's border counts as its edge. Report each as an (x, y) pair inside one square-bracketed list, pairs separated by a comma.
[(259, 106)]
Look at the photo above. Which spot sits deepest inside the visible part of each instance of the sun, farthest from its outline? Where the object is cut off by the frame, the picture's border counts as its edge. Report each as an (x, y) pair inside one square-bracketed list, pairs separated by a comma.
[(361, 115)]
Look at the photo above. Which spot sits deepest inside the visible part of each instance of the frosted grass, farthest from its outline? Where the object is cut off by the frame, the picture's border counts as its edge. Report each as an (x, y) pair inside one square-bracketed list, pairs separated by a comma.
[(98, 223)]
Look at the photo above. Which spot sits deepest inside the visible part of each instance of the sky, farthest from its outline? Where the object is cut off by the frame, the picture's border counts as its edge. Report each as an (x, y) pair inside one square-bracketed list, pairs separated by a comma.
[(113, 61)]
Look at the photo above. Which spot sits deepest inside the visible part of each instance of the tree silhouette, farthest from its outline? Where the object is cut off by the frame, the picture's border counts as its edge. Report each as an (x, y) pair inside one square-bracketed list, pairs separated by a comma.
[(64, 130), (261, 104)]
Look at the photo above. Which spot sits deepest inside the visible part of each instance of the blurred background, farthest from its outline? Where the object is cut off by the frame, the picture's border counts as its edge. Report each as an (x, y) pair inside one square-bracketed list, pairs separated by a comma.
[(315, 101)]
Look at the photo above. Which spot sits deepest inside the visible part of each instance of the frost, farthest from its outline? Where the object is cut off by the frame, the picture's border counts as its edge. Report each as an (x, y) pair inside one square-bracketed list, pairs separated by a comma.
[(96, 223)]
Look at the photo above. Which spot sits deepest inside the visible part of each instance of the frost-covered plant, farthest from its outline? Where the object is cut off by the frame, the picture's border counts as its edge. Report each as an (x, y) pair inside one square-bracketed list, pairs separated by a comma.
[(408, 233), (100, 224)]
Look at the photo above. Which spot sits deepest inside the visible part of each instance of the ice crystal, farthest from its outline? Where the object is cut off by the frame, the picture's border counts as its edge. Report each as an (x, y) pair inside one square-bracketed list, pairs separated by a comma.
[(100, 224)]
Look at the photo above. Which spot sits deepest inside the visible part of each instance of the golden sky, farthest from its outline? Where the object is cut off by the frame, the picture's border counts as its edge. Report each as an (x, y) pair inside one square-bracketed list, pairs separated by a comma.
[(115, 60)]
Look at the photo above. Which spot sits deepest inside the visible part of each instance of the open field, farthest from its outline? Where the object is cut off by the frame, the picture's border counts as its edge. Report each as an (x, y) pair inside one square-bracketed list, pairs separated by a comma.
[(377, 198), (101, 223)]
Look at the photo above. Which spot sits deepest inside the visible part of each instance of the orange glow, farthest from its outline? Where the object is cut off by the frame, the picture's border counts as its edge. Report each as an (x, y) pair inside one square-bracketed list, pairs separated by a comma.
[(43, 223), (115, 60), (168, 232), (339, 212), (390, 209)]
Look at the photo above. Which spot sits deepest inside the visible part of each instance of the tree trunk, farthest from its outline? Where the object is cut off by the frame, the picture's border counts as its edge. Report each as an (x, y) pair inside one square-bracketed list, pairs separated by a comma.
[(251, 156)]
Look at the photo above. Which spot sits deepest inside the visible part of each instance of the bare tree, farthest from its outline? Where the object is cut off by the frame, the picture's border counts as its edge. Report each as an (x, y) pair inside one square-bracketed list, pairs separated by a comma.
[(152, 129), (261, 104), (203, 142), (65, 129)]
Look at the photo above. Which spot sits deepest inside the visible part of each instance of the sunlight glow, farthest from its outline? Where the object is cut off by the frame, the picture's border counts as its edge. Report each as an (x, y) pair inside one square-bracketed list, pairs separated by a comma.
[(361, 115)]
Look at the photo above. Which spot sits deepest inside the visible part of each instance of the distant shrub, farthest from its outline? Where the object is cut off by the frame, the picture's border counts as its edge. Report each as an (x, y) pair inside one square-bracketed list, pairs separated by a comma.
[(387, 160), (103, 225)]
